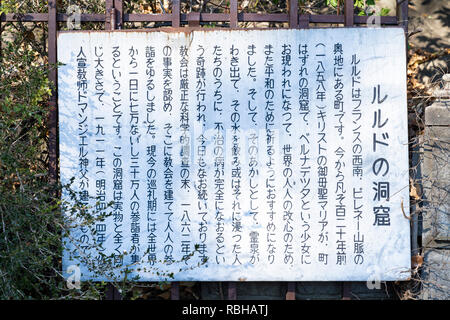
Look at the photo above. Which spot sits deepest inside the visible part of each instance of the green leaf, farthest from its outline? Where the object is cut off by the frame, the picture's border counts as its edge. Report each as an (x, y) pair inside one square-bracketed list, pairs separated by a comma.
[(359, 3), (332, 3), (384, 11)]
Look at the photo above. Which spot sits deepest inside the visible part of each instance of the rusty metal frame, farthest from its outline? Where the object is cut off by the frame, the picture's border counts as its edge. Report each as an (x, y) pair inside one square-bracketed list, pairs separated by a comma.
[(114, 19)]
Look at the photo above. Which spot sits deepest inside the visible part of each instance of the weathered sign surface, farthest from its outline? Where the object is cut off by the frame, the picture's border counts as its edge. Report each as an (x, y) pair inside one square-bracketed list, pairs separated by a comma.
[(237, 155)]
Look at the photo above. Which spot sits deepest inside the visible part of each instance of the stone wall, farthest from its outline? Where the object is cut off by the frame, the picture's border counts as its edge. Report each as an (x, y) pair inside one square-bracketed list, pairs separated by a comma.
[(436, 202)]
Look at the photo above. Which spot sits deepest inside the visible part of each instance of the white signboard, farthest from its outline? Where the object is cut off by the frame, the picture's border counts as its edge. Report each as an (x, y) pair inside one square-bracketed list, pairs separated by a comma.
[(226, 155)]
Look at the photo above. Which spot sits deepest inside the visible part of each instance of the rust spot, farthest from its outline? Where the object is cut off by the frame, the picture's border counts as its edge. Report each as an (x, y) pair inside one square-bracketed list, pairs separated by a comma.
[(416, 261)]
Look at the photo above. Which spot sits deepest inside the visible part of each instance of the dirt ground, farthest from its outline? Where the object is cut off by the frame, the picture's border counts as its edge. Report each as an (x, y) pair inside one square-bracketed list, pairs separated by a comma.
[(429, 27)]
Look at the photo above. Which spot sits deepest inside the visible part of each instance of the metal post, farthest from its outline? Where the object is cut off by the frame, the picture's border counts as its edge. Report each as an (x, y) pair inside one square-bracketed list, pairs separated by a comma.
[(175, 291), (232, 295), (112, 293), (293, 23), (290, 294), (402, 20), (348, 13), (109, 24), (1, 30), (293, 13), (233, 13), (402, 14), (53, 114), (233, 24), (176, 13), (118, 14), (346, 291)]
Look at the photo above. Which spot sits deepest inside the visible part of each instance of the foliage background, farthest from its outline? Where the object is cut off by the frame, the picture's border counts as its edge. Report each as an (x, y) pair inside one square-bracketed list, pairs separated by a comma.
[(31, 224)]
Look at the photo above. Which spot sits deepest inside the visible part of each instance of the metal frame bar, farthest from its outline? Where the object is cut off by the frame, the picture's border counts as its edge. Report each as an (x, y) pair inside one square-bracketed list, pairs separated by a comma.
[(53, 145), (204, 17), (114, 18), (1, 30)]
